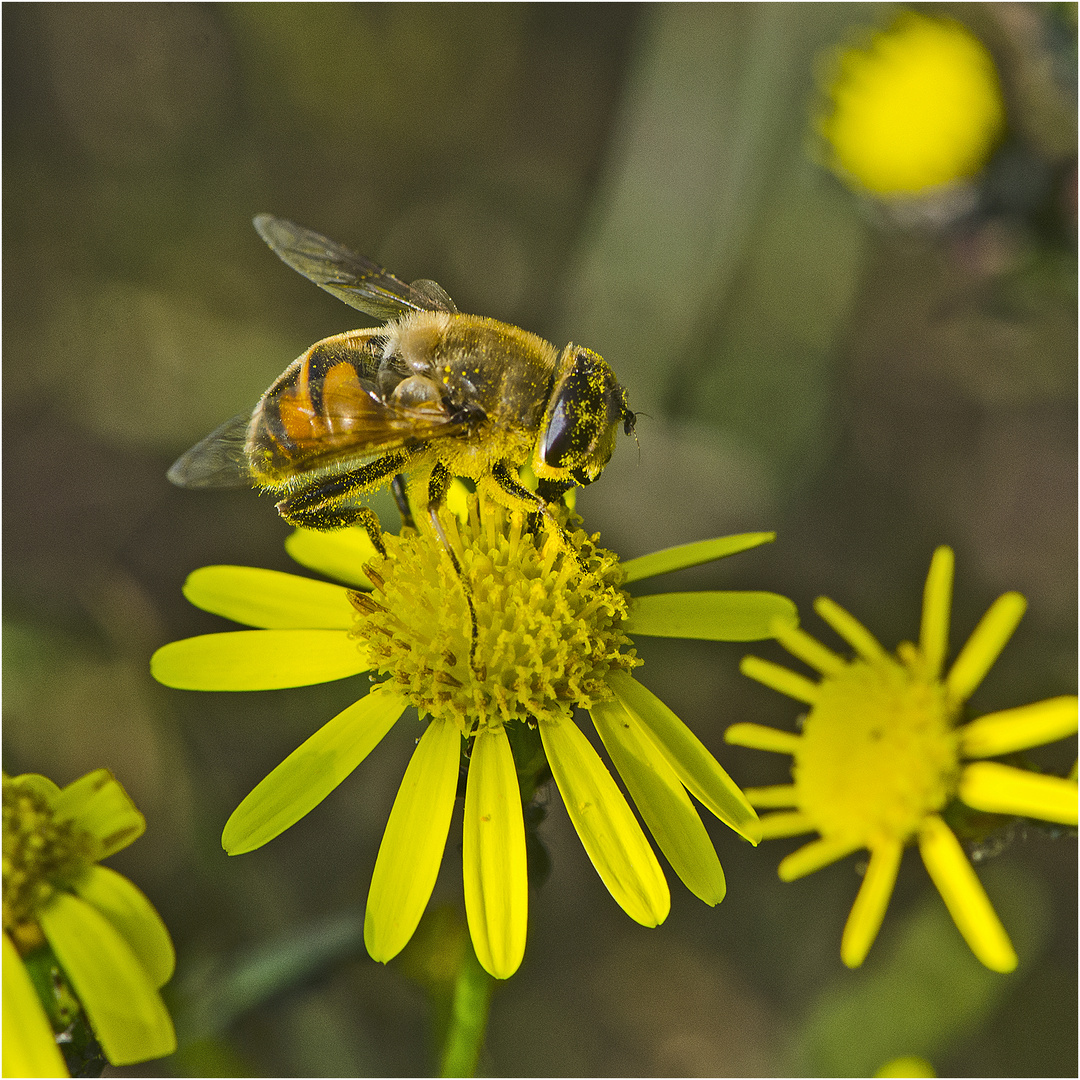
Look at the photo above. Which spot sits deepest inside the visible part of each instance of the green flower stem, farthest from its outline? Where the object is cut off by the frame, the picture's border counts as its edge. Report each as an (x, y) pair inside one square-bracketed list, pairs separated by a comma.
[(468, 1018)]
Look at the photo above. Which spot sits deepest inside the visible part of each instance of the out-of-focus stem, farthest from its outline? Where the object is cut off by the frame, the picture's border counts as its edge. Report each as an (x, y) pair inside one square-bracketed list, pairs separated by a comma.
[(468, 1018)]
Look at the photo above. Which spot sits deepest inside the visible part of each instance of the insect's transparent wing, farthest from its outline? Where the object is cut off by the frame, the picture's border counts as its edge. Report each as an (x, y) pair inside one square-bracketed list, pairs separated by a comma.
[(350, 277), (219, 461), (432, 296)]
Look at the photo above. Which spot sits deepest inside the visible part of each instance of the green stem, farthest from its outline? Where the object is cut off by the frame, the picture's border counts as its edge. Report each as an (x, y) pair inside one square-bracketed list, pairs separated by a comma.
[(468, 1018)]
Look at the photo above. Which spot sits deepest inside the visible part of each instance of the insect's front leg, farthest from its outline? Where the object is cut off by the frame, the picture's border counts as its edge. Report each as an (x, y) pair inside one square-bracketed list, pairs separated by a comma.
[(438, 484), (553, 490), (325, 505), (503, 475)]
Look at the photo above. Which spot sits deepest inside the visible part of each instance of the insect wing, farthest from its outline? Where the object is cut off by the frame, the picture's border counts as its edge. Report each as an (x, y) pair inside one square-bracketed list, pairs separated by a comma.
[(432, 296), (350, 277), (218, 461)]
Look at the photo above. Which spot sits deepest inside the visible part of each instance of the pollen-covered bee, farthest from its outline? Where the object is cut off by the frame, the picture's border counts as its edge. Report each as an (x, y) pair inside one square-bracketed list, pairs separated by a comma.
[(429, 395)]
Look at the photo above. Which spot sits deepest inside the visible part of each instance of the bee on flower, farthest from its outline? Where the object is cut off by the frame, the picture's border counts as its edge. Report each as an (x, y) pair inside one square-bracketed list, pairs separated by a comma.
[(63, 910), (884, 750), (551, 636)]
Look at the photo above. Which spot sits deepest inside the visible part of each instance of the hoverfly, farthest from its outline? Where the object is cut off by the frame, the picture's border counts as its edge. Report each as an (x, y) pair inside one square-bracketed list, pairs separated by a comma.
[(429, 395)]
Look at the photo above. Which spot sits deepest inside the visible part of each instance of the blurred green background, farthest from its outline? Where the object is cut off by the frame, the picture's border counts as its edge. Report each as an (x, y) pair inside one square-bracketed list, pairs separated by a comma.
[(642, 180)]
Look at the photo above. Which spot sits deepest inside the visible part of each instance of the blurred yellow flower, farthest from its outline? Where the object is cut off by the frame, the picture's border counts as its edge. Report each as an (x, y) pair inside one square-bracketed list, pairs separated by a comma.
[(552, 629), (880, 755), (106, 937), (917, 108), (906, 1066)]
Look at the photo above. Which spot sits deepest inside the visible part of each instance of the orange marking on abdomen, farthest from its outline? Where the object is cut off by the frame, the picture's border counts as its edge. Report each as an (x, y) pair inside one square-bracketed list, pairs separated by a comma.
[(297, 414), (344, 399)]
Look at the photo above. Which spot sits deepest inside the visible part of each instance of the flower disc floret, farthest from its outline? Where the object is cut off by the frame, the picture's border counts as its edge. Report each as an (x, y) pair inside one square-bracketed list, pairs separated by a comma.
[(41, 853), (548, 619), (878, 753)]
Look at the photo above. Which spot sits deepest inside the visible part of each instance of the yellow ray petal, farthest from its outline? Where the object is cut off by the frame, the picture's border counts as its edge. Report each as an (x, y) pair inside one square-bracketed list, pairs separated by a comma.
[(269, 599), (850, 629), (1018, 729), (761, 737), (413, 843), (493, 855), (710, 616), (784, 824), (125, 906), (124, 1007), (258, 660), (814, 856), (869, 908), (937, 605), (778, 796), (1001, 789), (606, 826), (984, 646), (676, 558), (312, 771), (964, 896), (29, 1046), (780, 678), (661, 800), (808, 649), (697, 769), (98, 803), (341, 554)]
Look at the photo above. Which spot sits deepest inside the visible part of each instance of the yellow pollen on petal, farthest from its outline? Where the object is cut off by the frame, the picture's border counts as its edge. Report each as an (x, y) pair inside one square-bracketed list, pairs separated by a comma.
[(878, 753)]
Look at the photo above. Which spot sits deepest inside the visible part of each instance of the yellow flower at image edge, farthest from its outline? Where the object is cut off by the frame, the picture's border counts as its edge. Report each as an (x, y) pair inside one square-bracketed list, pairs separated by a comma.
[(881, 755), (552, 627), (109, 941), (918, 108)]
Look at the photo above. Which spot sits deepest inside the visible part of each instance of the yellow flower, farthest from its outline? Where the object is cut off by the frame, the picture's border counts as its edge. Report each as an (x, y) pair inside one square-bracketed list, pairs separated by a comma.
[(918, 108), (551, 637), (107, 939), (906, 1066), (880, 755)]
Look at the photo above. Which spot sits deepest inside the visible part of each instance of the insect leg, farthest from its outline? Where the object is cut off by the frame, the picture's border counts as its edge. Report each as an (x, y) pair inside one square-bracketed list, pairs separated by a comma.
[(553, 490), (401, 497), (437, 487), (321, 507), (503, 475)]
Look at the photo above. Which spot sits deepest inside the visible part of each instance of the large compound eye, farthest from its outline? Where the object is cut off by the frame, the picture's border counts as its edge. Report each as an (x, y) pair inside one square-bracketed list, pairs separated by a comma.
[(587, 405)]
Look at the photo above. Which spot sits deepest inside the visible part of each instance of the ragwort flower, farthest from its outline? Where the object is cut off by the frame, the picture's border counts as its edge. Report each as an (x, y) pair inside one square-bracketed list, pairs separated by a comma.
[(882, 752), (552, 626), (918, 108), (107, 938)]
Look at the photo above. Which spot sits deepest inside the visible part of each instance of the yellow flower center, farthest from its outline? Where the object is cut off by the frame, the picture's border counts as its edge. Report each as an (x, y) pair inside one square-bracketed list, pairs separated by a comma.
[(548, 620), (920, 107), (878, 751), (40, 853)]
